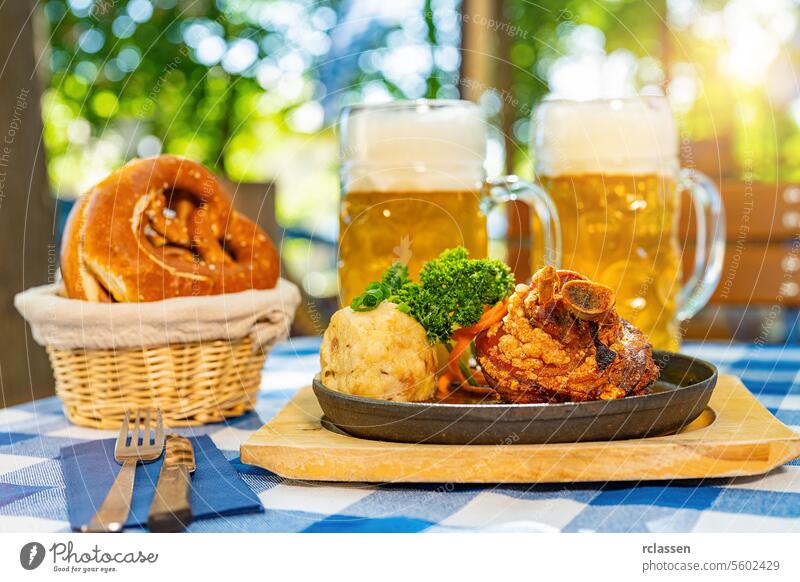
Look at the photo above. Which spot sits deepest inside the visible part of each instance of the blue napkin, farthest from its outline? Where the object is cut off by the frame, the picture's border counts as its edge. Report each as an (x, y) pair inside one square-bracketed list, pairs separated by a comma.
[(90, 469)]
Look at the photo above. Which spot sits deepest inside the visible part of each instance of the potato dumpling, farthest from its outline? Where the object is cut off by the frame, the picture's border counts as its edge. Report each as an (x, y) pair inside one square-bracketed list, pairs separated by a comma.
[(383, 354)]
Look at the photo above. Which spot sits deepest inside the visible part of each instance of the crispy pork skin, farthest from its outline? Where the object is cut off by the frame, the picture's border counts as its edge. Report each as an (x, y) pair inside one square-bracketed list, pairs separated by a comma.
[(563, 341)]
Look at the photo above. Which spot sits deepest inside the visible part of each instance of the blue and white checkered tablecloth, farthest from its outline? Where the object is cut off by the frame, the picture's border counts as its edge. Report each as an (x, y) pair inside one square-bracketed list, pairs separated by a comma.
[(32, 494)]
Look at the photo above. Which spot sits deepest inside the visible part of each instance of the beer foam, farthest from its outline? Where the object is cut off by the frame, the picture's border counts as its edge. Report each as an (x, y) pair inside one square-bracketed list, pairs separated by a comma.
[(413, 146), (614, 137)]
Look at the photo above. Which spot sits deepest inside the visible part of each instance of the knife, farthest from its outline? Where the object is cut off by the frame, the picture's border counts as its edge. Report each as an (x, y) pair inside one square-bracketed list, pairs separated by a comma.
[(171, 510)]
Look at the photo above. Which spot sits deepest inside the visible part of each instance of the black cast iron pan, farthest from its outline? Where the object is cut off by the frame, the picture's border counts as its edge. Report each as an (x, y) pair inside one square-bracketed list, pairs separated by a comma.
[(678, 397)]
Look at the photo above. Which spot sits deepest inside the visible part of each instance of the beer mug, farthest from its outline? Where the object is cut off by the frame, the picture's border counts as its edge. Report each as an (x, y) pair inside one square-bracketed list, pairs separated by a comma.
[(413, 184), (611, 167)]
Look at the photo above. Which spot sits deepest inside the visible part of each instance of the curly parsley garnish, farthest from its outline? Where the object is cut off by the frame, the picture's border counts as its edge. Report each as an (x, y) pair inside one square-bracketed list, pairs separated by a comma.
[(452, 291)]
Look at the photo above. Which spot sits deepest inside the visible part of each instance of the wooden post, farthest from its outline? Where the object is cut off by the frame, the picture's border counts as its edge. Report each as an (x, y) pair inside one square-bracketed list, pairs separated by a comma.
[(485, 55), (520, 236), (26, 209), (478, 48)]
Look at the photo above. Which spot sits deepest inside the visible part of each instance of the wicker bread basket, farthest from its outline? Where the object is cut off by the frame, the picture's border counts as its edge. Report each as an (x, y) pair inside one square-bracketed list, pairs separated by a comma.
[(152, 364)]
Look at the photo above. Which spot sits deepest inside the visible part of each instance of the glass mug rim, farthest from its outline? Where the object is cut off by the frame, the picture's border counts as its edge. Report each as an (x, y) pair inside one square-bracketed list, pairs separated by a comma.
[(408, 105), (411, 166), (660, 100)]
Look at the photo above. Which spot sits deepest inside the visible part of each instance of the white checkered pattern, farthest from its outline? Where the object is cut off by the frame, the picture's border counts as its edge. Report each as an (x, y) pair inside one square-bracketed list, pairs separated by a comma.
[(32, 496)]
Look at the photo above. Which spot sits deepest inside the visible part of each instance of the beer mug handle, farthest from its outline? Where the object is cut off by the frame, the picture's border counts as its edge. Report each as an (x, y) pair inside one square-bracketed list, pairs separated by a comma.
[(509, 188), (710, 245)]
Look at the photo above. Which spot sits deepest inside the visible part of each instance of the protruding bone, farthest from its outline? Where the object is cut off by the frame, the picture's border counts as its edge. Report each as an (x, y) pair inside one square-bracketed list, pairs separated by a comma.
[(588, 300), (565, 276), (546, 284)]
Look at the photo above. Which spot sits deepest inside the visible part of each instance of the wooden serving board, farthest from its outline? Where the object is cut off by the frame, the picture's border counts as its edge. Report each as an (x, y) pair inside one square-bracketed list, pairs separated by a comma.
[(735, 436)]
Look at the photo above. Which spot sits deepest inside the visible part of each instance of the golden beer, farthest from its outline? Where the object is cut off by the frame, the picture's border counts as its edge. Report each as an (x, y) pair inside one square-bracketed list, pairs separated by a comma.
[(621, 231), (611, 166), (378, 228), (414, 184)]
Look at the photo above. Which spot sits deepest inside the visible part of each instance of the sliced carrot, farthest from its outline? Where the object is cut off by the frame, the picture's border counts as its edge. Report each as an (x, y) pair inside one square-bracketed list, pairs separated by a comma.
[(487, 320), (464, 336), (443, 385)]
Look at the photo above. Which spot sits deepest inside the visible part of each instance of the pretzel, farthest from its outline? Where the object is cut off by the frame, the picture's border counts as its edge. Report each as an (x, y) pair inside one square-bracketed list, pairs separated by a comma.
[(158, 228)]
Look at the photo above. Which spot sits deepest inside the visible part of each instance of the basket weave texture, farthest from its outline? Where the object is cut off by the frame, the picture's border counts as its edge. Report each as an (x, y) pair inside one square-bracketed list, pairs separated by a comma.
[(193, 384), (198, 359)]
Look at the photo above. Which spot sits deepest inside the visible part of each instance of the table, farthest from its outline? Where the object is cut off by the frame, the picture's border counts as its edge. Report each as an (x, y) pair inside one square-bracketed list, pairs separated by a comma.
[(32, 494)]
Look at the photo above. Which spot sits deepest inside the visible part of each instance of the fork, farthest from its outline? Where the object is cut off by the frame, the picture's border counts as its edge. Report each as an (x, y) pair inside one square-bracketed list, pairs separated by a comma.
[(113, 513)]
